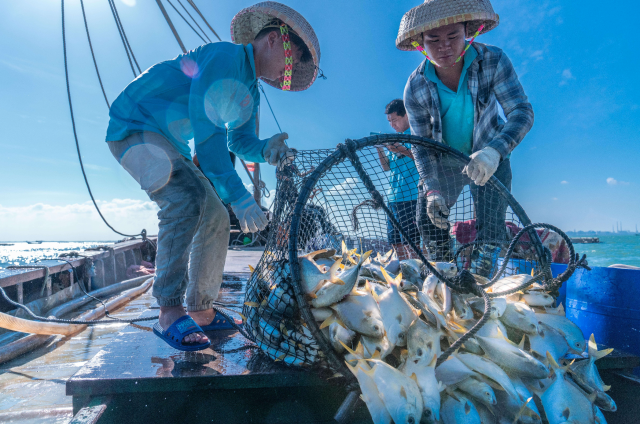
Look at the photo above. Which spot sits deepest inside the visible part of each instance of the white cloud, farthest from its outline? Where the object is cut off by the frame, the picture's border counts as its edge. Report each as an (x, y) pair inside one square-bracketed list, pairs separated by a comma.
[(613, 181), (566, 76), (555, 198), (564, 182), (78, 221), (346, 188), (129, 3), (537, 55)]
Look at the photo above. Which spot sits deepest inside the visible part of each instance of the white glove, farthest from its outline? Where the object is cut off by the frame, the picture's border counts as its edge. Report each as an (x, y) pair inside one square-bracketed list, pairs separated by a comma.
[(437, 210), (251, 217), (276, 149), (482, 165)]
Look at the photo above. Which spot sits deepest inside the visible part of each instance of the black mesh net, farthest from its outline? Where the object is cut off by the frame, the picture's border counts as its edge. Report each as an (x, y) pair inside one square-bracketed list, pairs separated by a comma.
[(322, 202)]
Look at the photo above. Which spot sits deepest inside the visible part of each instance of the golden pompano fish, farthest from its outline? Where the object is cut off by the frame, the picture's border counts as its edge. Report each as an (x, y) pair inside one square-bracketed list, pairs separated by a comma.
[(423, 341), (371, 395), (359, 311), (331, 292), (520, 316), (512, 358), (312, 274), (422, 371), (568, 329), (459, 410), (484, 366), (397, 314)]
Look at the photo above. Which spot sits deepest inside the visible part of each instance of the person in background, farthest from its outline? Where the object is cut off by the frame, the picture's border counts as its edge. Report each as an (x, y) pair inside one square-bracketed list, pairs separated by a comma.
[(403, 182), (453, 98), (209, 94)]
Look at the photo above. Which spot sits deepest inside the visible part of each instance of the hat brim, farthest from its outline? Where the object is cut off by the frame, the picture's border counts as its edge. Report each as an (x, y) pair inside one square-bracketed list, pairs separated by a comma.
[(250, 21)]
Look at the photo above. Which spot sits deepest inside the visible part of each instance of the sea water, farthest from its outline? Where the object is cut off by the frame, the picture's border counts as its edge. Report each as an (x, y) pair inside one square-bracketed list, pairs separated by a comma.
[(22, 253), (612, 249)]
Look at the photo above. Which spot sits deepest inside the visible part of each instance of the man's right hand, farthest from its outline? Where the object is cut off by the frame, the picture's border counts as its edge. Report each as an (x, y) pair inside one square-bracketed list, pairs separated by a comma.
[(437, 210), (251, 217)]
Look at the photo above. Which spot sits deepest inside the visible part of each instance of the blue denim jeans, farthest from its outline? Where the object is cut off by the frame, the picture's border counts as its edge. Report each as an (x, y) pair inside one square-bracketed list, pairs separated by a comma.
[(193, 233)]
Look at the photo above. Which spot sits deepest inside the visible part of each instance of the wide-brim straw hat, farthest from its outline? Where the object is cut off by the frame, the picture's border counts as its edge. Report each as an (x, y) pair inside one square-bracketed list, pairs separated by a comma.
[(436, 13), (250, 21)]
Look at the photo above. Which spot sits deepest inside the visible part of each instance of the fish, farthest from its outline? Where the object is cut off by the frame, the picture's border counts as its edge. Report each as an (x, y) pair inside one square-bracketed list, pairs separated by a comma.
[(400, 394), (570, 331), (422, 371), (510, 282), (599, 416), (339, 335), (411, 269), (371, 345), (461, 308), (563, 401), (521, 409), (498, 306), (429, 286), (547, 340), (585, 371), (537, 298), (478, 390), (492, 328), (459, 410), (423, 341), (511, 358), (433, 308), (452, 371), (373, 270), (397, 314), (484, 366), (360, 312), (331, 293), (312, 274), (520, 316), (282, 302), (371, 395), (486, 416), (443, 292), (321, 314)]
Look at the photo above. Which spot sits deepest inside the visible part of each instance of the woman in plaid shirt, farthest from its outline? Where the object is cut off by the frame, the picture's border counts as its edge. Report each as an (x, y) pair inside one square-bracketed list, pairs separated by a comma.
[(452, 97)]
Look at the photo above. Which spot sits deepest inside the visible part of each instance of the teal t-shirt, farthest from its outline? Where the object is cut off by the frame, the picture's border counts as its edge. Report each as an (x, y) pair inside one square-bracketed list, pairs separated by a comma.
[(456, 108), (403, 178), (210, 95)]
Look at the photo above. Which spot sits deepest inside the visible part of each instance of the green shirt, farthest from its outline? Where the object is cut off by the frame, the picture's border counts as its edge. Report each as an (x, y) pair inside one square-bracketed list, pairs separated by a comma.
[(456, 108)]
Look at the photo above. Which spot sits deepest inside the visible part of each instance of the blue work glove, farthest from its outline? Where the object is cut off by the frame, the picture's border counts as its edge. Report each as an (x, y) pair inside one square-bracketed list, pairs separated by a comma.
[(251, 217)]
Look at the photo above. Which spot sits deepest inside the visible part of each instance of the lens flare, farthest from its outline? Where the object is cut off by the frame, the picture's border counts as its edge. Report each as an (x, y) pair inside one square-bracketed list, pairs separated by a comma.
[(228, 103), (149, 165)]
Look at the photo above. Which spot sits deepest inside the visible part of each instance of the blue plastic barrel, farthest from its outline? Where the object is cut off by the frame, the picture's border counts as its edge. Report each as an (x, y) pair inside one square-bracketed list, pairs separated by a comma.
[(606, 302)]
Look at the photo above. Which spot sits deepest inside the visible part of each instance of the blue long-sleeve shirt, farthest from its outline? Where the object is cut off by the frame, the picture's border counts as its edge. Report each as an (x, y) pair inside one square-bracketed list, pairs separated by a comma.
[(199, 95)]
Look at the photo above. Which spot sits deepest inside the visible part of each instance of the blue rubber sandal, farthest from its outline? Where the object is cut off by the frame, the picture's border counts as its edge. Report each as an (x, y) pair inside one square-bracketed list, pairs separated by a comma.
[(174, 335), (218, 323)]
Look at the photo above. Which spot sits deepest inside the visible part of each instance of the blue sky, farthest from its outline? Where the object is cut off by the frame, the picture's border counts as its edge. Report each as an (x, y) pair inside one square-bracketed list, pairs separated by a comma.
[(577, 168)]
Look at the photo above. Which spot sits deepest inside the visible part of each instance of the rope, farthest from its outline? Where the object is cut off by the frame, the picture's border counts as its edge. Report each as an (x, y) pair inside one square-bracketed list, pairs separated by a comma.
[(269, 104), (194, 21), (173, 29), (203, 19), (143, 233), (125, 43), (187, 22), (86, 27)]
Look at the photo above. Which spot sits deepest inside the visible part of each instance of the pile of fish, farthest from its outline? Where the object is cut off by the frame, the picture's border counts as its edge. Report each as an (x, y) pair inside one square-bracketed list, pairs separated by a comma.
[(391, 325)]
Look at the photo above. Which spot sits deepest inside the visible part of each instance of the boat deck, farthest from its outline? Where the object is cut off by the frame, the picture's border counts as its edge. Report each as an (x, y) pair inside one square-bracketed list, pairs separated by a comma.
[(139, 378)]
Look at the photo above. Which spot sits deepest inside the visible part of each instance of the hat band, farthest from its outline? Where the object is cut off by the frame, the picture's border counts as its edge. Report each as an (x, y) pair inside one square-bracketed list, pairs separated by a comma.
[(421, 49), (288, 58)]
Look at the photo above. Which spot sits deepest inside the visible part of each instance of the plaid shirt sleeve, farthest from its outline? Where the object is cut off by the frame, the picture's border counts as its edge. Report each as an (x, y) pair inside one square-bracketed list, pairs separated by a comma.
[(514, 102), (416, 99)]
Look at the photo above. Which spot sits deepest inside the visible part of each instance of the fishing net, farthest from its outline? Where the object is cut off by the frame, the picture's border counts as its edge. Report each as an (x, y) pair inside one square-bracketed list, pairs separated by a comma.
[(327, 197)]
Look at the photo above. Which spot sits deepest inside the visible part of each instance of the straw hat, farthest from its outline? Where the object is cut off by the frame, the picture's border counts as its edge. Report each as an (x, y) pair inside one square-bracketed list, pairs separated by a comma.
[(436, 13), (250, 21)]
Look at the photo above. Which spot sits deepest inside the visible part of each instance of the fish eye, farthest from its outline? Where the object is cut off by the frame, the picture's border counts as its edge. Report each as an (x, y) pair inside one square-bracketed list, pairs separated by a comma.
[(411, 420), (419, 352), (375, 327)]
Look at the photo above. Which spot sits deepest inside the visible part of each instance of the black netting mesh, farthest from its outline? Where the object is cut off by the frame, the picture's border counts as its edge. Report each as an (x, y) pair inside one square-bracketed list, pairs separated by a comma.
[(334, 206)]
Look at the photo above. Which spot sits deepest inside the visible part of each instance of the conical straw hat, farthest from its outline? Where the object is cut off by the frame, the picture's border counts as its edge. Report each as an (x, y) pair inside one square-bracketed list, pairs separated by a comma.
[(436, 13), (250, 21)]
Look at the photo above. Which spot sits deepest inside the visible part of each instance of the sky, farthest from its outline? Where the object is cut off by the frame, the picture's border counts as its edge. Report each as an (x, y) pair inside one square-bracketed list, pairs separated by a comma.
[(577, 168)]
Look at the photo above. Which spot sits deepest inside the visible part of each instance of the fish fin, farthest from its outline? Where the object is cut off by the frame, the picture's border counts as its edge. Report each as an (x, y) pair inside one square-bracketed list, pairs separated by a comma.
[(592, 397), (332, 272), (521, 345), (283, 329), (433, 360), (367, 286), (251, 304), (450, 393), (521, 411), (312, 295), (494, 384), (252, 269), (403, 393), (387, 277), (418, 312), (566, 413), (441, 386), (414, 377), (552, 362), (243, 317), (467, 408), (532, 272), (348, 349), (360, 349), (352, 368), (364, 257), (376, 355), (368, 313), (375, 295), (317, 287), (594, 352), (327, 322), (356, 292), (336, 375), (606, 388), (399, 318), (281, 357)]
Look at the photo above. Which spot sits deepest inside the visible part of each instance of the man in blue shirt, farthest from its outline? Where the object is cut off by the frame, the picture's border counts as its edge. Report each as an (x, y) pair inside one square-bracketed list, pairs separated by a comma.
[(210, 95), (402, 194)]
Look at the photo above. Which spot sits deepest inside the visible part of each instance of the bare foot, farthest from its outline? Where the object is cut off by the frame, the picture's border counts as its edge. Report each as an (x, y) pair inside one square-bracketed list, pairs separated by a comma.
[(169, 314)]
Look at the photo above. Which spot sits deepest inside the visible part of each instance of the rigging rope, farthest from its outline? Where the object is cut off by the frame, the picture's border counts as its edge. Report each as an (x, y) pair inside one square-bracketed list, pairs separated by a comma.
[(269, 104), (173, 29), (125, 42), (86, 27), (194, 21), (143, 233), (187, 22), (203, 18)]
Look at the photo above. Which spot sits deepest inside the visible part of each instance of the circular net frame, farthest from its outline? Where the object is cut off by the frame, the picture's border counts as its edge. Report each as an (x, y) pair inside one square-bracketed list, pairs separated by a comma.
[(321, 201)]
